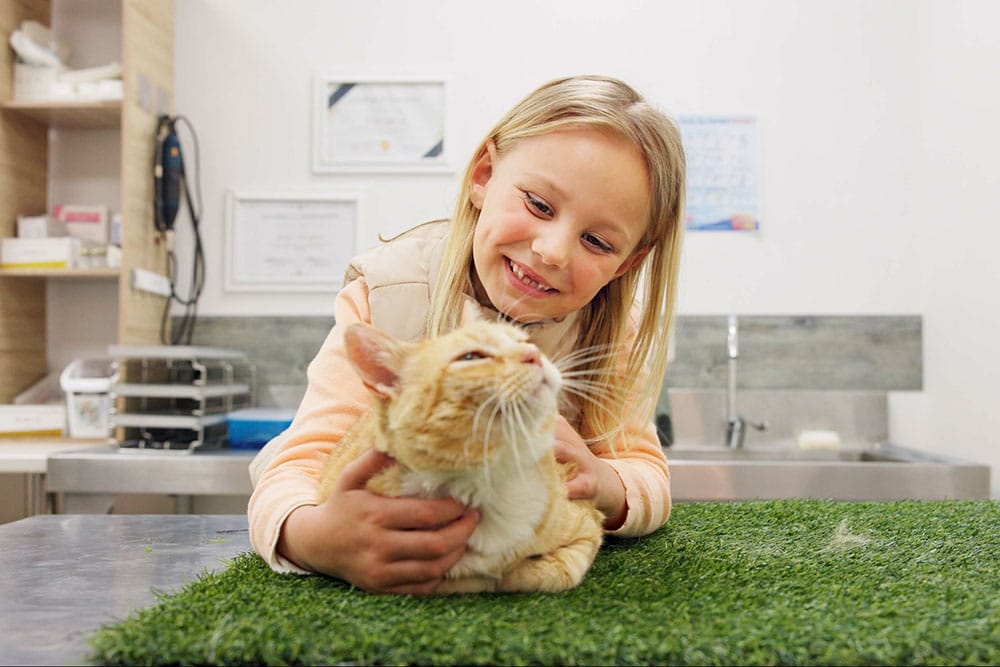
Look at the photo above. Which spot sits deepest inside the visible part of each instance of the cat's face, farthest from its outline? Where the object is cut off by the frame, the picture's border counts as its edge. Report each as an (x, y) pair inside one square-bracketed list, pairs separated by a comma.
[(481, 393)]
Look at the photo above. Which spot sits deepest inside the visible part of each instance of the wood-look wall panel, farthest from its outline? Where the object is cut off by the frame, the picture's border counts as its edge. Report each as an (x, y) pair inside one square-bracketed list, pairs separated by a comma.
[(23, 188), (22, 335), (147, 69)]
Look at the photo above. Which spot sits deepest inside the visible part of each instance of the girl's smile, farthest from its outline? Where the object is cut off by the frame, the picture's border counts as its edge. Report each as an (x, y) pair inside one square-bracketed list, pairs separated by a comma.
[(561, 215), (526, 281)]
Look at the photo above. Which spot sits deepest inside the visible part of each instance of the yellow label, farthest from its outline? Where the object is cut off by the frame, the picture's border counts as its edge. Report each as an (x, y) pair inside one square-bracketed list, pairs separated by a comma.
[(35, 265), (31, 434)]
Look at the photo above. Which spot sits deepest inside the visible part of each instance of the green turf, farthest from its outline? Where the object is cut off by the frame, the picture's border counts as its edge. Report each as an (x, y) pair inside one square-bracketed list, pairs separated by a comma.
[(775, 582)]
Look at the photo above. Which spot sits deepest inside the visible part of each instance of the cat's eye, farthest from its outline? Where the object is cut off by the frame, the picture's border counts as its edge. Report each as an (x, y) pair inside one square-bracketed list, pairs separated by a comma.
[(471, 356)]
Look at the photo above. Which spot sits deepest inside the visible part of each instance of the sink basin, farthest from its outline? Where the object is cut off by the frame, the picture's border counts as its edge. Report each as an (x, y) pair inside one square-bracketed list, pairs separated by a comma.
[(724, 454), (882, 472)]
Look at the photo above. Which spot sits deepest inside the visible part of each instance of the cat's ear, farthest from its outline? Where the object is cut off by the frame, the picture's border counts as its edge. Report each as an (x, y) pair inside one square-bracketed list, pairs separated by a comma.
[(376, 356), (470, 313)]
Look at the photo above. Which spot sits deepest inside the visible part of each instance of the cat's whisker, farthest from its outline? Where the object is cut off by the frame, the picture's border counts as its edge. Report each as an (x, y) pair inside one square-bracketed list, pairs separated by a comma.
[(614, 411), (595, 377), (601, 405), (475, 421), (587, 355), (595, 373), (590, 389), (505, 316), (516, 437), (501, 411), (488, 434), (593, 352)]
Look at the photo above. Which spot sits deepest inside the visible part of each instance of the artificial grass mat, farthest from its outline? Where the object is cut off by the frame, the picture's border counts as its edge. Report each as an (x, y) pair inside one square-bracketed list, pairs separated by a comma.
[(763, 582)]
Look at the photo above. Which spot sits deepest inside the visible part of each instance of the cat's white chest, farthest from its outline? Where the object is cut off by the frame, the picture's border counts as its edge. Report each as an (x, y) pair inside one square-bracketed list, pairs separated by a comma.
[(511, 505)]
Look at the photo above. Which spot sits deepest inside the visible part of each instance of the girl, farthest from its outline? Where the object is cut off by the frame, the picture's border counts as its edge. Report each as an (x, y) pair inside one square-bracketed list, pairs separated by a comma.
[(575, 195)]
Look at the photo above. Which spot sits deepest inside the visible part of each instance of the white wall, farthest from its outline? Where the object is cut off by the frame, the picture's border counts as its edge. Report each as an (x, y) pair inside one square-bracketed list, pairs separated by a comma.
[(876, 121), (833, 85), (959, 142)]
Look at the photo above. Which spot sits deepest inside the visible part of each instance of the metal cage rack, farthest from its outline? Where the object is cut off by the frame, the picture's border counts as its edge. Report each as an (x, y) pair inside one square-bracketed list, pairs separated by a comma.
[(176, 398)]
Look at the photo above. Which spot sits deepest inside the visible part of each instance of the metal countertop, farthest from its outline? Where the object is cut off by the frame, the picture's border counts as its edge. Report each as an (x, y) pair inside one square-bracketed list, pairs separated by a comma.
[(64, 576), (111, 470)]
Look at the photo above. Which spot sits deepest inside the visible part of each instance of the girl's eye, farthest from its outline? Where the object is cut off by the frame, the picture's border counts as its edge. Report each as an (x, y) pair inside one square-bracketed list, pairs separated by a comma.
[(538, 205), (597, 244), (471, 356)]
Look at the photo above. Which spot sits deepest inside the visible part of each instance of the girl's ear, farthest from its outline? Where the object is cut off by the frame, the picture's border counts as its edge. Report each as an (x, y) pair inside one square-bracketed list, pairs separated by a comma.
[(482, 171), (376, 356), (632, 261)]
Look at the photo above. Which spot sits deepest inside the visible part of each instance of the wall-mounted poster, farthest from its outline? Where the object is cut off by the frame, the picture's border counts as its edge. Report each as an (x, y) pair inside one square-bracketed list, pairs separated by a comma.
[(723, 190), (289, 242), (380, 124)]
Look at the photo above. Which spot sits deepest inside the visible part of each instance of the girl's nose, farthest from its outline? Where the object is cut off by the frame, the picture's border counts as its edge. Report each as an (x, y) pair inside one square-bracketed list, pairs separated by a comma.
[(552, 245)]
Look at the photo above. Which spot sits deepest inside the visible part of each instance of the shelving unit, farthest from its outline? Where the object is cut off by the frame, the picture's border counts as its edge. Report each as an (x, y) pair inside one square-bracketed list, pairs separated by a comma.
[(176, 398), (147, 38)]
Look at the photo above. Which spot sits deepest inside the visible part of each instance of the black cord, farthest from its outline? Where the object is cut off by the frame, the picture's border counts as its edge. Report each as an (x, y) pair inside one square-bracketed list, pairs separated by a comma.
[(185, 329)]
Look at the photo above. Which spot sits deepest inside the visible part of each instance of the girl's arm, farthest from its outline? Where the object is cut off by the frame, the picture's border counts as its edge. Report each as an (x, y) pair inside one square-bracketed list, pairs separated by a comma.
[(630, 485), (631, 488), (289, 467)]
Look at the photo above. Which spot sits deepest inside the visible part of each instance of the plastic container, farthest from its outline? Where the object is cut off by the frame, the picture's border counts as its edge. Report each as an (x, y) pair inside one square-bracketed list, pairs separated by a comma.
[(87, 384), (252, 428)]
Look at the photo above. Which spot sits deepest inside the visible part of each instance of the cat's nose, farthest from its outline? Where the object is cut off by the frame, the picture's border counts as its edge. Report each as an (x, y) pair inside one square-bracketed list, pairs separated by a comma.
[(532, 356)]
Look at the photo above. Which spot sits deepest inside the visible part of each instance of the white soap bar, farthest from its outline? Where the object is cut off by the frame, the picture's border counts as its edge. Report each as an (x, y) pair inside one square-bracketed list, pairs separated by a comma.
[(819, 440)]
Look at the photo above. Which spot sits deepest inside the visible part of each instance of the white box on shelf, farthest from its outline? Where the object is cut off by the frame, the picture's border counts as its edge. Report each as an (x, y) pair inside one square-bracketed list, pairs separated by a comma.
[(39, 227), (33, 82), (24, 421), (53, 253)]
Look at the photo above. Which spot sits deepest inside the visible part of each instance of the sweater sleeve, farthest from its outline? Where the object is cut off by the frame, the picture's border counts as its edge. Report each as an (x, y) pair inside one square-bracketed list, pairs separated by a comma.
[(644, 473), (641, 465), (286, 472)]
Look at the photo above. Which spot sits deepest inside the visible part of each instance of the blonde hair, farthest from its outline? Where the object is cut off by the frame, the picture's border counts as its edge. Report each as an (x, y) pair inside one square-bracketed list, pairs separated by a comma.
[(610, 104)]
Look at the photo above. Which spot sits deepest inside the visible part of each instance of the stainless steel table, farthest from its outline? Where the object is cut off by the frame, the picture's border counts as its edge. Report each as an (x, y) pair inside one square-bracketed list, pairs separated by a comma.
[(85, 481), (66, 575)]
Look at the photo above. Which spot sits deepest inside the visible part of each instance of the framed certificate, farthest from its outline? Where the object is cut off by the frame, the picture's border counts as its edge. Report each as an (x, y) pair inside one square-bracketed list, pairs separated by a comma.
[(289, 242), (364, 124)]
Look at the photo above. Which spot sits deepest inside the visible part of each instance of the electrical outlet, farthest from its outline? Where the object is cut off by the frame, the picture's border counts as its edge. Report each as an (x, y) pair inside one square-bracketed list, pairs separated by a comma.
[(150, 282)]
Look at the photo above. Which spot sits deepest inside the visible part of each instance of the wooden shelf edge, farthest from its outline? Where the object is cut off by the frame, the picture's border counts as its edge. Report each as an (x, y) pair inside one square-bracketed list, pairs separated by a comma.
[(68, 274), (69, 113)]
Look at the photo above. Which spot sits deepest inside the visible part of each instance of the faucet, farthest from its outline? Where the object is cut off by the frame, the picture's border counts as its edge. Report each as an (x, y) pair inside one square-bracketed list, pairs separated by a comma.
[(735, 424)]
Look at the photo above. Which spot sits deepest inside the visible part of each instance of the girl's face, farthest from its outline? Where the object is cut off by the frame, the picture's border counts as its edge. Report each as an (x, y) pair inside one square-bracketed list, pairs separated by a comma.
[(560, 217)]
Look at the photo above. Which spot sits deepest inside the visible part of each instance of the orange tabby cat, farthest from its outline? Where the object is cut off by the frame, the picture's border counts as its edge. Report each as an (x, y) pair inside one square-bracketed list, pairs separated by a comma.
[(471, 415)]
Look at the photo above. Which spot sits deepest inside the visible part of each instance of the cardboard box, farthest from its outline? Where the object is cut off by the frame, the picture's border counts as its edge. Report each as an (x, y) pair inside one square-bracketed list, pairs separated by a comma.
[(84, 222), (57, 253)]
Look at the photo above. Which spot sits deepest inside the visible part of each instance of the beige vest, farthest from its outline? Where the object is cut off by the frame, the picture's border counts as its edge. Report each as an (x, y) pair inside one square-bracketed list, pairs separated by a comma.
[(401, 274)]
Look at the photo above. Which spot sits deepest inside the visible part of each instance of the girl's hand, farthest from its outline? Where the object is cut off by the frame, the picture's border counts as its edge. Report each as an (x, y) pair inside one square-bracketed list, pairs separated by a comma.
[(377, 543), (595, 478)]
